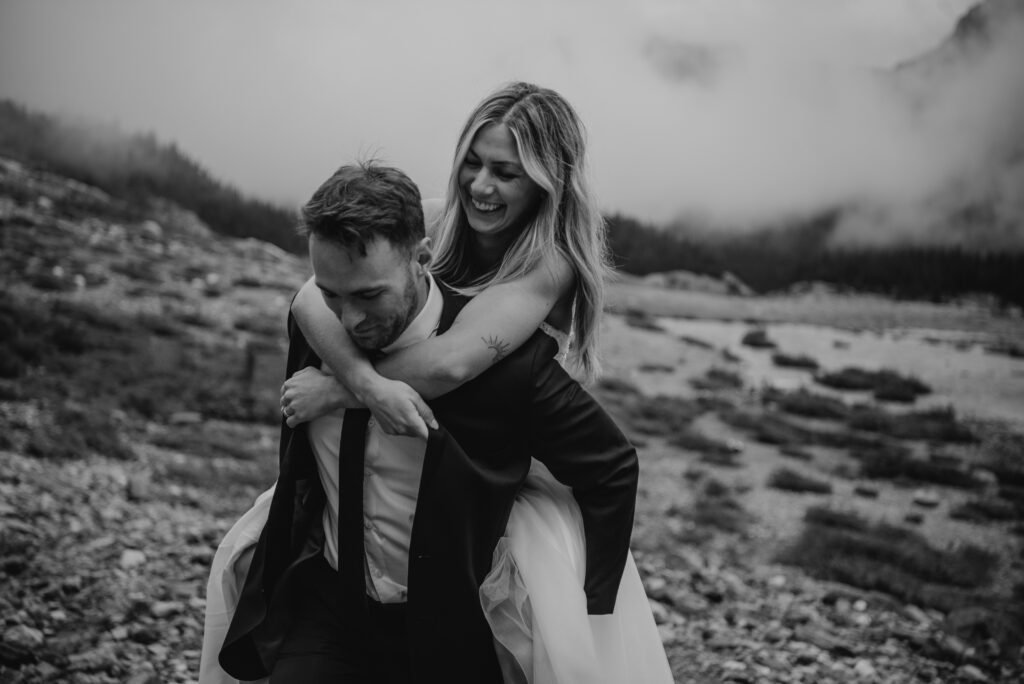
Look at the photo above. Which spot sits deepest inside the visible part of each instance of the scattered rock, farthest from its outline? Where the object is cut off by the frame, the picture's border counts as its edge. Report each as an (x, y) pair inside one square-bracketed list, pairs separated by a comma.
[(185, 418), (864, 669), (866, 491), (131, 558), (972, 674)]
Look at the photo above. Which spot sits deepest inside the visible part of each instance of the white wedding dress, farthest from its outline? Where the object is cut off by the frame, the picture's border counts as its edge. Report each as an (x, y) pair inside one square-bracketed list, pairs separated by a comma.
[(533, 597)]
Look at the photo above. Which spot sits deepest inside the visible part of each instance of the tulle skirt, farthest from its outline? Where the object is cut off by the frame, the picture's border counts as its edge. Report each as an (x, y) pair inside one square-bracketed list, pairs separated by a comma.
[(227, 575), (533, 598), (534, 601)]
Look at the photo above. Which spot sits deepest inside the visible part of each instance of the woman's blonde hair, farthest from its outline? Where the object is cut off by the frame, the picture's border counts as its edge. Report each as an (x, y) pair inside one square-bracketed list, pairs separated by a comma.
[(550, 139)]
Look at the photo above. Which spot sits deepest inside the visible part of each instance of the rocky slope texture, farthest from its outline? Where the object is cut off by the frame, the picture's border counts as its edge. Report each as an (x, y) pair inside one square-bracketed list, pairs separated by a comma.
[(140, 359)]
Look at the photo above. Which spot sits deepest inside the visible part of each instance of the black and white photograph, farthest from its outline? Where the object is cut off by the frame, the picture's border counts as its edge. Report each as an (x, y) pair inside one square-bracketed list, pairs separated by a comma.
[(538, 342)]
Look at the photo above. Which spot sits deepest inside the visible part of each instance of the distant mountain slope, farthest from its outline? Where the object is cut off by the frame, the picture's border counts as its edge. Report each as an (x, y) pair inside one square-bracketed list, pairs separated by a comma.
[(138, 166)]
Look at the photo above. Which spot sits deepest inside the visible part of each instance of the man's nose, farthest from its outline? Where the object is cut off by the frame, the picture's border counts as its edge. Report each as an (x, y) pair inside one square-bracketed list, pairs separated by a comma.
[(351, 316)]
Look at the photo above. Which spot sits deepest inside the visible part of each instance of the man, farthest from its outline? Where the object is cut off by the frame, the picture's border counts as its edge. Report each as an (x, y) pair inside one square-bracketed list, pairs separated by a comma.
[(369, 566)]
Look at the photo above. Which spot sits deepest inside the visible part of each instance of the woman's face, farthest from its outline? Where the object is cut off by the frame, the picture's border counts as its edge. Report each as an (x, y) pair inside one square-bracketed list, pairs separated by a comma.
[(498, 197)]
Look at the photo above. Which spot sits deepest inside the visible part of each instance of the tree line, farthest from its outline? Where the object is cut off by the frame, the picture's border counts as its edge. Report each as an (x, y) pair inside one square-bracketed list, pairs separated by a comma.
[(135, 167)]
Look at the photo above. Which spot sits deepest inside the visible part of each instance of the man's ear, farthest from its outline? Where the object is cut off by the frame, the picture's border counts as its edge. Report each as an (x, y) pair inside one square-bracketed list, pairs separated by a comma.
[(423, 253)]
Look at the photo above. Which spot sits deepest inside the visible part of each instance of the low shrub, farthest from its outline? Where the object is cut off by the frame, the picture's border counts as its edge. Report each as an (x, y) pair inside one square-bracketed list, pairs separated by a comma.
[(659, 415), (844, 547), (716, 507), (797, 453), (935, 425), (637, 318), (794, 481), (656, 368), (692, 440), (809, 405), (827, 516), (987, 510), (800, 361), (897, 464), (884, 384), (695, 342), (716, 379), (71, 431), (758, 339)]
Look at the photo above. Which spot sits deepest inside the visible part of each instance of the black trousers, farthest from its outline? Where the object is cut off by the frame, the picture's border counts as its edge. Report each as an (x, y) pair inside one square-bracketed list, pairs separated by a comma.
[(325, 643)]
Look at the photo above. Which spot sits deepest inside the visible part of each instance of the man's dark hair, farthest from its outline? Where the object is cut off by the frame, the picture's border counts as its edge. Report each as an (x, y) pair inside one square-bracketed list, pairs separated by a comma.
[(363, 202)]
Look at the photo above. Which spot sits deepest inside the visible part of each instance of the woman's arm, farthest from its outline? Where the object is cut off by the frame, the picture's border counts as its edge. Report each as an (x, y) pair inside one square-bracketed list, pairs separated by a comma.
[(492, 325)]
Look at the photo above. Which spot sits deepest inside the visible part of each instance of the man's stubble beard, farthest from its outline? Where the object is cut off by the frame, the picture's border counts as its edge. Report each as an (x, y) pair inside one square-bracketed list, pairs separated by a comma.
[(402, 322)]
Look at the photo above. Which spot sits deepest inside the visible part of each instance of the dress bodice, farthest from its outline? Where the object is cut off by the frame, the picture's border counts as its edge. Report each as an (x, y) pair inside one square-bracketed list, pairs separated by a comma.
[(563, 339)]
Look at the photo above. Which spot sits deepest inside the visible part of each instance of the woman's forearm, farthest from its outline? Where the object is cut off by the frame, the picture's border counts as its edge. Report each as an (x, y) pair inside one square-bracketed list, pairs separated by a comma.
[(328, 338), (490, 327)]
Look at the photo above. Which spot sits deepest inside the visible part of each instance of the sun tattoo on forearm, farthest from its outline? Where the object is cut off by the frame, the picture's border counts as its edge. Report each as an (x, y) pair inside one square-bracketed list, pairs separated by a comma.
[(498, 346)]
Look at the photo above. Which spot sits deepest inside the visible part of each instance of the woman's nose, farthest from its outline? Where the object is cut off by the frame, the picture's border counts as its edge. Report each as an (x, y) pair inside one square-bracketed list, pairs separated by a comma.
[(482, 183)]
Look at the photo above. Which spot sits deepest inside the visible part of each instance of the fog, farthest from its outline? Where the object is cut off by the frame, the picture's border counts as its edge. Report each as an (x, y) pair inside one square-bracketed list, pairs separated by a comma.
[(734, 112)]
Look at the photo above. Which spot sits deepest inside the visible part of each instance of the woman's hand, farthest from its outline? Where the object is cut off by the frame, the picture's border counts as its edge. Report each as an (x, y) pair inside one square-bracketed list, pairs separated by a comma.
[(311, 393), (398, 409)]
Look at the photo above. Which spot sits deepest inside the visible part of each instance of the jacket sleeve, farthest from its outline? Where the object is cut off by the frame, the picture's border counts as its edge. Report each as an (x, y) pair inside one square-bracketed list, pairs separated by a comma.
[(584, 449)]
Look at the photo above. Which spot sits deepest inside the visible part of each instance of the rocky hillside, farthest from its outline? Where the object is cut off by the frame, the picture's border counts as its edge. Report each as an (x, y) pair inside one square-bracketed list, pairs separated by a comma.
[(140, 364)]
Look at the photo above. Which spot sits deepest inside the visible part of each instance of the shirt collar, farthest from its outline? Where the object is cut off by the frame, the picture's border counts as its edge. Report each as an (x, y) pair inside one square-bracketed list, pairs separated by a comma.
[(426, 321)]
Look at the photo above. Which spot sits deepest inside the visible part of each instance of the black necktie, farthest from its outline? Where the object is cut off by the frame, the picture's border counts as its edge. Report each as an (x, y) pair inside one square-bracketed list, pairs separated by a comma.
[(350, 508)]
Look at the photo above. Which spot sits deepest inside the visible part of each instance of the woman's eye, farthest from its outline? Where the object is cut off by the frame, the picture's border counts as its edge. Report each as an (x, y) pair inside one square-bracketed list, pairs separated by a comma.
[(471, 163)]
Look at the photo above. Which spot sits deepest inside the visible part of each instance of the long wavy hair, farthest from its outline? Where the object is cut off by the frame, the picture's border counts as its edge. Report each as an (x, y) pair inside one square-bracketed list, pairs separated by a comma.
[(550, 140)]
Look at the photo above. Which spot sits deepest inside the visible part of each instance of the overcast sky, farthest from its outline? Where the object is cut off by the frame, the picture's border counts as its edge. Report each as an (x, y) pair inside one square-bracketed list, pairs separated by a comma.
[(737, 109)]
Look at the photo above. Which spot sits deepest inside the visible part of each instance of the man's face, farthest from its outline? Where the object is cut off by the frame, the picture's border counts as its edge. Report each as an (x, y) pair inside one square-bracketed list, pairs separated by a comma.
[(374, 296)]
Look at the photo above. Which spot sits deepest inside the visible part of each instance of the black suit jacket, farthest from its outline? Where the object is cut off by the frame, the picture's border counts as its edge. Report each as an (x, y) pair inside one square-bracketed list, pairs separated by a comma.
[(524, 406)]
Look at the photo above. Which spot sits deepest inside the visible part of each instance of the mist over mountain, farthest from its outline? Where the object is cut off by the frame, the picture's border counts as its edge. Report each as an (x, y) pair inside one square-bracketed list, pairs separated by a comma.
[(927, 152), (968, 95)]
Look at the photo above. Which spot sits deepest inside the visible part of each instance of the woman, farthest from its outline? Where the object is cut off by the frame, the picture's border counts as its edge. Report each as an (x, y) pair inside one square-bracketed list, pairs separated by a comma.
[(520, 231)]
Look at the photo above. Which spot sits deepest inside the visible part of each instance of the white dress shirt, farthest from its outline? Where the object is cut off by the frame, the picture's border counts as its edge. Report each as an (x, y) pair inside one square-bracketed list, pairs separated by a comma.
[(392, 469)]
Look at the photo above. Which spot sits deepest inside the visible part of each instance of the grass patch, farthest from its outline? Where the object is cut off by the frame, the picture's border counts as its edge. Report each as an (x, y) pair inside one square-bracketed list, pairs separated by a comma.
[(1002, 453), (640, 319), (799, 361), (797, 453), (716, 507), (758, 339), (71, 431), (844, 547), (987, 510), (899, 464), (791, 480), (210, 440), (884, 384), (269, 326), (935, 425), (656, 368), (84, 356), (616, 385), (717, 379), (695, 342), (693, 440), (661, 416), (808, 404)]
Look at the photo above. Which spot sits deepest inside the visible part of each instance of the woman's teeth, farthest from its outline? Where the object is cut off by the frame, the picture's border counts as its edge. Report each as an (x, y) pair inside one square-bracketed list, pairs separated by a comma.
[(483, 206)]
